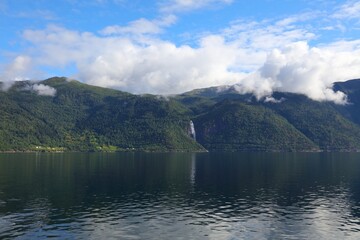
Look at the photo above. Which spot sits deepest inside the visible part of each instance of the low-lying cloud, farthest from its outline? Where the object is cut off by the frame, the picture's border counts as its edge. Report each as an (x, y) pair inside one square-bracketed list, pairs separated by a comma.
[(38, 88), (43, 90), (300, 69)]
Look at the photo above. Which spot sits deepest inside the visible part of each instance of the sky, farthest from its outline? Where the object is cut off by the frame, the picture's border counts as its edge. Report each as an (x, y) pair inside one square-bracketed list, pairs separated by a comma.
[(173, 46)]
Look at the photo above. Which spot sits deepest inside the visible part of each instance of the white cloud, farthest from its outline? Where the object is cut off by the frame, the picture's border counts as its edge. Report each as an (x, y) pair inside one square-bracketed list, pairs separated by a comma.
[(260, 57), (43, 90), (270, 99), (349, 10), (162, 67), (188, 5), (153, 66), (267, 35), (141, 26), (36, 13), (254, 39), (311, 71), (39, 89), (19, 69), (59, 47), (95, 2), (295, 19)]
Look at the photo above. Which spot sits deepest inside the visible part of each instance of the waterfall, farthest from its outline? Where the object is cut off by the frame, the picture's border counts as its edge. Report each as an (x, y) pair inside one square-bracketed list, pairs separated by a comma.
[(192, 130)]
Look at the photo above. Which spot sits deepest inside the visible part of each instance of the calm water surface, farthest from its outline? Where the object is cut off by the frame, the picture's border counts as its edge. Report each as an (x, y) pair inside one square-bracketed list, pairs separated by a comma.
[(180, 196)]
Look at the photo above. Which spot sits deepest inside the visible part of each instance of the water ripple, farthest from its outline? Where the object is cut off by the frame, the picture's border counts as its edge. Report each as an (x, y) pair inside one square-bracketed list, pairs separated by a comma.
[(227, 199)]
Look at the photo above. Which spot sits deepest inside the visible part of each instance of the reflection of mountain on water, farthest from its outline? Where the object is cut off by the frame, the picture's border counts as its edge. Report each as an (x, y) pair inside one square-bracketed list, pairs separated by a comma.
[(232, 174), (222, 195), (284, 177), (294, 193)]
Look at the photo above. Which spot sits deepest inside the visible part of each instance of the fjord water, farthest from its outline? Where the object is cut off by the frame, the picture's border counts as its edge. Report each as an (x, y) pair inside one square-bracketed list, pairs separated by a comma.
[(180, 196)]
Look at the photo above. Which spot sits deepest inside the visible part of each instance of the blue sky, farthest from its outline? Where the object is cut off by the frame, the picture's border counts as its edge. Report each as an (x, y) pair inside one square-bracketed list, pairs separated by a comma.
[(171, 46)]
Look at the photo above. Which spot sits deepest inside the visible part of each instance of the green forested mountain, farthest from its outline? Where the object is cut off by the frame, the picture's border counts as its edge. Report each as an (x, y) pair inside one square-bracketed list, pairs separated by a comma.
[(81, 117), (233, 125), (85, 118), (230, 121)]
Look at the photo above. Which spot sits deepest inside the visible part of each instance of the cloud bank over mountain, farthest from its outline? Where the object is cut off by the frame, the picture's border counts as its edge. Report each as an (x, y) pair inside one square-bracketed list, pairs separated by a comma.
[(258, 56), (297, 68)]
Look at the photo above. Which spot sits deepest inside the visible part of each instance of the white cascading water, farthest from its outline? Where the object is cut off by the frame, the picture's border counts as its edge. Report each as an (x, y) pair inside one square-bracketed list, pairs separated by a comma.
[(192, 130)]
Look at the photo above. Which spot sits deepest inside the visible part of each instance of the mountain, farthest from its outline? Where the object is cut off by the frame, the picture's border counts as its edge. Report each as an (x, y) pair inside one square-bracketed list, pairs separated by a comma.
[(87, 118), (352, 89), (232, 121), (238, 126), (61, 115)]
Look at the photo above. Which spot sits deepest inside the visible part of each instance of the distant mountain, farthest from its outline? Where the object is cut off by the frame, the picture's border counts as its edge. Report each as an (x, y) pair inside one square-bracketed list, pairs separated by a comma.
[(61, 115)]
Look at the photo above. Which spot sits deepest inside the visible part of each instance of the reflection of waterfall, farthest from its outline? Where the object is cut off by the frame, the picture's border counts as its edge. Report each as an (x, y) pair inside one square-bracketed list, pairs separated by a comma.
[(193, 169), (192, 130)]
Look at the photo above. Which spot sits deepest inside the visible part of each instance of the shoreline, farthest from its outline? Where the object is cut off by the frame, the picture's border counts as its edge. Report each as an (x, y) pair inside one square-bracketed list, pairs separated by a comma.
[(183, 151)]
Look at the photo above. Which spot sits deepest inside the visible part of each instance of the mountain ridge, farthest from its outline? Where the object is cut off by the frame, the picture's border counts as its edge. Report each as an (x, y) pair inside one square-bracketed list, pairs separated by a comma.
[(81, 117)]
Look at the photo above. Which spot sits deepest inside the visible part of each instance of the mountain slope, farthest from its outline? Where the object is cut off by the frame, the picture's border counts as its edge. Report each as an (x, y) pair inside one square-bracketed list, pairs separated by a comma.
[(321, 122), (327, 126), (235, 126), (352, 89), (85, 118), (81, 117)]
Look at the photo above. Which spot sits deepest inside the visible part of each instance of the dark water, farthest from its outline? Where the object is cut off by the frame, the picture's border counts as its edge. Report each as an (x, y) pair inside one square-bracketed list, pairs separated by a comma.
[(180, 196)]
